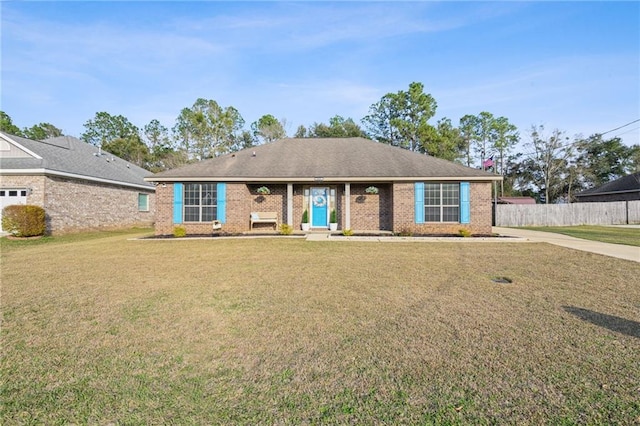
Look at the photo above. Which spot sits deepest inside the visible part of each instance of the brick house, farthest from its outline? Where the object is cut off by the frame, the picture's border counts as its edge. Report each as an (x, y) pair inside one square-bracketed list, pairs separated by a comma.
[(370, 185), (79, 186)]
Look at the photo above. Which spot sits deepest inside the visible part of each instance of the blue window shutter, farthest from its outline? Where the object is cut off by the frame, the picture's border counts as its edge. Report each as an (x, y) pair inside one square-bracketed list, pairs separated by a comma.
[(222, 202), (419, 199), (465, 205), (177, 202)]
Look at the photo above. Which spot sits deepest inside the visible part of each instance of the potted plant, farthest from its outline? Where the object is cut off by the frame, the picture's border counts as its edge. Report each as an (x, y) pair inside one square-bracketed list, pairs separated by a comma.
[(333, 221), (371, 190), (263, 190), (305, 220)]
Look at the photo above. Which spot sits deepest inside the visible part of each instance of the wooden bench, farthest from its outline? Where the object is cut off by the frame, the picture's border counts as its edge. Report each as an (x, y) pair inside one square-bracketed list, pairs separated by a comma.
[(264, 217)]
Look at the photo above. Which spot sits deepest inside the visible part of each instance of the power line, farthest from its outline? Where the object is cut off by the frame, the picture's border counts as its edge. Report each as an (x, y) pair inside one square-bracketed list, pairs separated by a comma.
[(528, 154), (627, 131), (617, 128)]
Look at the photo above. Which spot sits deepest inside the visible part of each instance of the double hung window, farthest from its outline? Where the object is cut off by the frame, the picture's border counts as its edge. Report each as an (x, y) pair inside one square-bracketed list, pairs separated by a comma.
[(200, 202), (441, 202)]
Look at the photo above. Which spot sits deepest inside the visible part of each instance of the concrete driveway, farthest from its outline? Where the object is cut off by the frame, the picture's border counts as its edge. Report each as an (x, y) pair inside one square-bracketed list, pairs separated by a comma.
[(614, 250)]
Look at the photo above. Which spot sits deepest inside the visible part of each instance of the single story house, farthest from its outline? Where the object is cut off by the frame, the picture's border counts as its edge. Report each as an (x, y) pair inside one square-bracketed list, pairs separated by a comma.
[(79, 186), (371, 186), (626, 188)]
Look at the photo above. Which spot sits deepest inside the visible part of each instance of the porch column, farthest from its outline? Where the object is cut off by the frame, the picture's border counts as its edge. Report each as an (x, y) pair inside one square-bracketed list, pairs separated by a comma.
[(290, 204), (347, 206)]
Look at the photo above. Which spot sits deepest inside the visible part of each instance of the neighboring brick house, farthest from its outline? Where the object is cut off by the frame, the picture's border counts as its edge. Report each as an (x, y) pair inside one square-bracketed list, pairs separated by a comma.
[(627, 188), (79, 186), (415, 192)]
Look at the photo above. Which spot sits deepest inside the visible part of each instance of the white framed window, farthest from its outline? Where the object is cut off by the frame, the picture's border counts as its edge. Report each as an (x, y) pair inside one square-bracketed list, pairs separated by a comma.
[(441, 202), (200, 202), (143, 202)]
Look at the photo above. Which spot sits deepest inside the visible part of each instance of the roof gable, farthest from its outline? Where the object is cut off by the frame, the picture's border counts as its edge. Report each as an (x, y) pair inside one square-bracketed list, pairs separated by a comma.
[(327, 159), (9, 148)]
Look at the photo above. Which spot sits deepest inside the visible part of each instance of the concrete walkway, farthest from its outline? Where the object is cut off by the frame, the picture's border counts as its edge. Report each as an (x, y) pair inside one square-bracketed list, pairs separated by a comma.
[(614, 250)]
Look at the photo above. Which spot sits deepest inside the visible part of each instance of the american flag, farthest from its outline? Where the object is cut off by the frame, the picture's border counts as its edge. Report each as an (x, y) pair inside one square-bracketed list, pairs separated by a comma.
[(487, 163)]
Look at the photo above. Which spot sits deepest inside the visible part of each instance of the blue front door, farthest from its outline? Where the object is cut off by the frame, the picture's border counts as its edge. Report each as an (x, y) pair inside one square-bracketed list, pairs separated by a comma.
[(319, 207)]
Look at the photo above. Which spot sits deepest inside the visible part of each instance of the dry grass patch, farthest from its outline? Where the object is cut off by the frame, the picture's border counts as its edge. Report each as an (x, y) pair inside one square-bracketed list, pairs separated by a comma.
[(286, 331)]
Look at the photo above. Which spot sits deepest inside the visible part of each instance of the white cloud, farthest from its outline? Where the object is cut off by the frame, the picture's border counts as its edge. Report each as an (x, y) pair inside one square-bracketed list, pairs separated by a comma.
[(303, 61)]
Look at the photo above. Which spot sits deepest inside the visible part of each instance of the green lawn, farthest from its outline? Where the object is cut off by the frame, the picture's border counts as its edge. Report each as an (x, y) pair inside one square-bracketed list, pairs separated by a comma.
[(605, 234), (102, 330)]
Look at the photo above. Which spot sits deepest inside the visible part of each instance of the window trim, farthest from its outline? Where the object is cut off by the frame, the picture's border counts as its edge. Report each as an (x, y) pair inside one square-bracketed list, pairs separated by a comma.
[(145, 208), (200, 205), (441, 206)]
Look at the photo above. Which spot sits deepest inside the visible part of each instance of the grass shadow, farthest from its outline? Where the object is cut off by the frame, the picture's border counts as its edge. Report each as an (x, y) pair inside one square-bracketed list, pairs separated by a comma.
[(613, 323)]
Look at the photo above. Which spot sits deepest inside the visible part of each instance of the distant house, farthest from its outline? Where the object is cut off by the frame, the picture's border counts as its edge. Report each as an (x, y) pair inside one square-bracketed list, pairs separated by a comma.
[(626, 188), (516, 200), (79, 186), (370, 185)]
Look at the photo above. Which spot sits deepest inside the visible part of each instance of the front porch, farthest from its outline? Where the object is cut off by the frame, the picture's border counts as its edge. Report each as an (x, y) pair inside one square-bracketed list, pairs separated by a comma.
[(354, 207)]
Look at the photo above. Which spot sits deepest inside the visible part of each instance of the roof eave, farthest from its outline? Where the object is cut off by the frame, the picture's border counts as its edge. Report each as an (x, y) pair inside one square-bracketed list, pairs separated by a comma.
[(606, 193), (330, 179), (48, 172)]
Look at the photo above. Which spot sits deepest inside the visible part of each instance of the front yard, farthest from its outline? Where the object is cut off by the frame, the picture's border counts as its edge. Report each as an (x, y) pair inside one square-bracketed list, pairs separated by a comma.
[(103, 330)]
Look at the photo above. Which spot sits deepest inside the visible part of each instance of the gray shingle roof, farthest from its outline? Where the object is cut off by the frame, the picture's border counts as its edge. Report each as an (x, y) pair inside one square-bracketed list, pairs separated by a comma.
[(629, 183), (331, 159), (67, 155)]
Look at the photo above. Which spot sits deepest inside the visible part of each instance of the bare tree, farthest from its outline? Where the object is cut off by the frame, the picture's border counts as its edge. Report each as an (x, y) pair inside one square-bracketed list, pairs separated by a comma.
[(549, 161)]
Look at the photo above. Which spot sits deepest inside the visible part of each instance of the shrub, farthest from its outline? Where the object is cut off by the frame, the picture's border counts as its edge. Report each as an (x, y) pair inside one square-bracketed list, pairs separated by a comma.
[(463, 232), (286, 229), (24, 220), (405, 232), (179, 231), (347, 232), (305, 216), (333, 218)]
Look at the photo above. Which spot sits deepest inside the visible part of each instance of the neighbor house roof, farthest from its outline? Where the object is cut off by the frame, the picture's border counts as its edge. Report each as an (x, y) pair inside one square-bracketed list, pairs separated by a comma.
[(330, 159), (516, 200), (67, 156), (629, 183)]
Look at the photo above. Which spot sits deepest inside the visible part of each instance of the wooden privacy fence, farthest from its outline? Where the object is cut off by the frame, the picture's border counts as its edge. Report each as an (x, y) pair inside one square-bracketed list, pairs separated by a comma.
[(611, 213)]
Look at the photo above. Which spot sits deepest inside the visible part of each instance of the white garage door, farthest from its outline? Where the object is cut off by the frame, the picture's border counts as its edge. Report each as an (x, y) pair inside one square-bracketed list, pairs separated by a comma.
[(9, 197)]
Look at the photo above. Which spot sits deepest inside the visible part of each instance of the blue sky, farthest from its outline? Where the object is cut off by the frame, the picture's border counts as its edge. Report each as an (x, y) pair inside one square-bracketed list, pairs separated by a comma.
[(568, 65)]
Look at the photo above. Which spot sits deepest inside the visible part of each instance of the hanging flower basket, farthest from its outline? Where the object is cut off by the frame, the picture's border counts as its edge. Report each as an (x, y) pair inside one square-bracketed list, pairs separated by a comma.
[(263, 190), (371, 190)]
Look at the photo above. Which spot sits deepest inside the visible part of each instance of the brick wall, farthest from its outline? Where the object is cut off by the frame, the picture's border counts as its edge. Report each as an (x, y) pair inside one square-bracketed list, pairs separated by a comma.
[(73, 205), (391, 209), (298, 207), (371, 212), (404, 214), (164, 209), (34, 183), (242, 199), (77, 205), (481, 208), (274, 202)]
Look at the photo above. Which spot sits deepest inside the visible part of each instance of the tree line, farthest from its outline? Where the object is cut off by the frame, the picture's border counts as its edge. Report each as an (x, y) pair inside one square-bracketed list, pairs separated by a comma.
[(552, 168)]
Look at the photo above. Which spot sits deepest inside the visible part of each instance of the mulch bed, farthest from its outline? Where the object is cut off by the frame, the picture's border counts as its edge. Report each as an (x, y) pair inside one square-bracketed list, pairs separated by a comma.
[(13, 237), (219, 235)]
